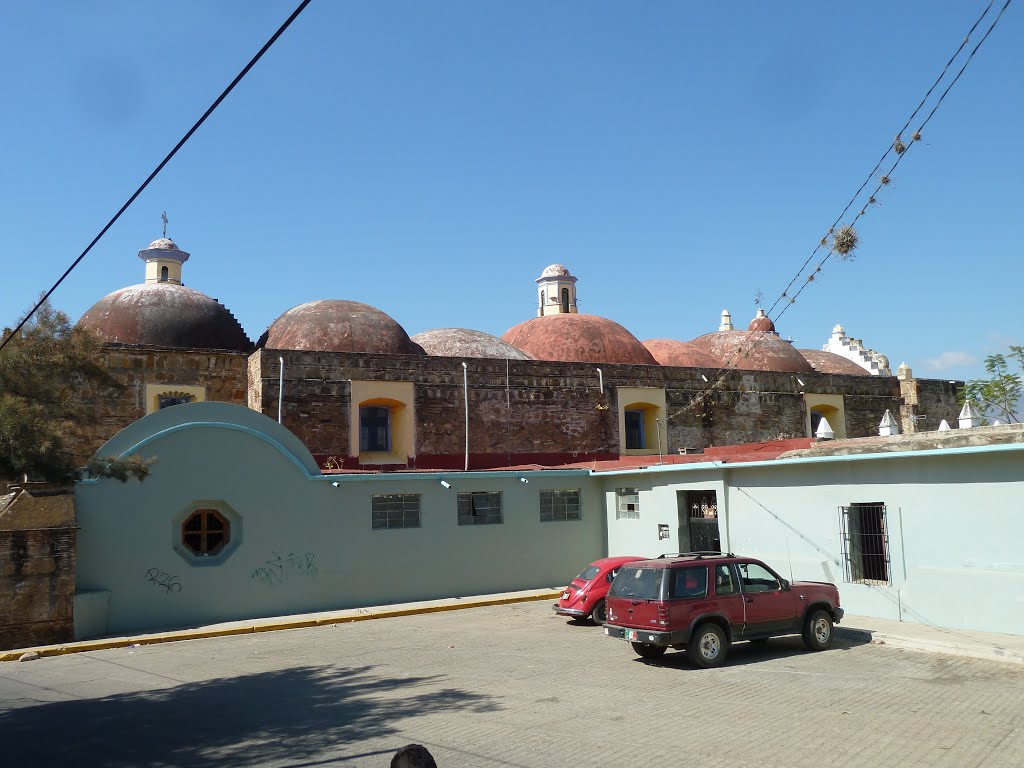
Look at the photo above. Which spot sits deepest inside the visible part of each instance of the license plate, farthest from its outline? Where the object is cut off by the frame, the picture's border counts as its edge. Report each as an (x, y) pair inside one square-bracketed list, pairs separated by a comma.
[(565, 595), (629, 634)]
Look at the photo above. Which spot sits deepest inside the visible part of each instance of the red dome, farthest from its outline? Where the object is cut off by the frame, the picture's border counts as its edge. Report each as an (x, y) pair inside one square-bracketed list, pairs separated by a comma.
[(575, 338), (761, 323), (679, 354), (164, 315), (830, 362), (332, 325), (752, 351)]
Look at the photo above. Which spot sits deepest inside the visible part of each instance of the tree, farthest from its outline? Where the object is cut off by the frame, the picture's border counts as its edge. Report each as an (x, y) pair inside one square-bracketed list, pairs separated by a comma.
[(999, 395), (41, 371)]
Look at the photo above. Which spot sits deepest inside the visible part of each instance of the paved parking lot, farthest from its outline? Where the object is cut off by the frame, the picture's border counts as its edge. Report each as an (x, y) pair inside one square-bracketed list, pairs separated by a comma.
[(504, 686)]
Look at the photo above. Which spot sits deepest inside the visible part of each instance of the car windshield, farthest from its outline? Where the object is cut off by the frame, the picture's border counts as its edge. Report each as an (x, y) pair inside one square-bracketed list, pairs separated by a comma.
[(641, 583), (589, 572)]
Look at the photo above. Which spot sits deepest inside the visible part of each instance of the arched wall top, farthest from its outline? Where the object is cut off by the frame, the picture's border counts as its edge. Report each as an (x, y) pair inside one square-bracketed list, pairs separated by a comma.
[(210, 415)]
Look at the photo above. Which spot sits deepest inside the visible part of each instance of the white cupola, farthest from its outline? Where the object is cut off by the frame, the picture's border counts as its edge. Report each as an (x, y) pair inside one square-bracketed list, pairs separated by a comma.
[(556, 292)]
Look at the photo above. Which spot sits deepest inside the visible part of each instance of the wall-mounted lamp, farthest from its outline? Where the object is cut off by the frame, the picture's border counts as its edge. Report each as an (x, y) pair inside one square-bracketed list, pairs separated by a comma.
[(336, 484), (705, 378), (445, 484), (798, 381), (523, 480)]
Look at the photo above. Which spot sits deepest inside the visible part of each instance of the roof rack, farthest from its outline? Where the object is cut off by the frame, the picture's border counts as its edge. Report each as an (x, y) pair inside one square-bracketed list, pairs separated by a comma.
[(698, 555)]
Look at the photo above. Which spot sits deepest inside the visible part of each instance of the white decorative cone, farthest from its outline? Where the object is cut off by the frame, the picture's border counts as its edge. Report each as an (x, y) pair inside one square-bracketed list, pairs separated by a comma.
[(824, 431), (944, 426)]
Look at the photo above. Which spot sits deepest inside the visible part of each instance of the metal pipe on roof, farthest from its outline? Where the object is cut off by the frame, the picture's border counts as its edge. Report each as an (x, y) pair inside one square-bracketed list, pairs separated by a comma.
[(465, 397), (600, 380), (280, 387)]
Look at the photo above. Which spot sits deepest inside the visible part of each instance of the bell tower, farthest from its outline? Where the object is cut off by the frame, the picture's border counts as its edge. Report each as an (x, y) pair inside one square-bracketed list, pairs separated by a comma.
[(556, 292), (163, 261)]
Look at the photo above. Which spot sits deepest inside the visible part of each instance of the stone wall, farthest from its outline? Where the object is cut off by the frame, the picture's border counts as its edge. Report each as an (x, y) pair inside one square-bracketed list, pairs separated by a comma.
[(550, 412), (37, 566), (224, 374)]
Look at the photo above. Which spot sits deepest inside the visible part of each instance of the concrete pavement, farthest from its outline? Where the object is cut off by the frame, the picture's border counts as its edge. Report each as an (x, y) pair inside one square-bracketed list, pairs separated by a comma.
[(898, 634)]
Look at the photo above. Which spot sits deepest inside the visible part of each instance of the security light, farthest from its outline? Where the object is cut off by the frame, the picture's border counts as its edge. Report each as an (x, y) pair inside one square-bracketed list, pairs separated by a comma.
[(445, 484)]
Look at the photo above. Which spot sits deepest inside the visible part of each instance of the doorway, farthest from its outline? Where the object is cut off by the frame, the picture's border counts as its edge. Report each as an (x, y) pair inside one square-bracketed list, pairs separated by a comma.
[(698, 521)]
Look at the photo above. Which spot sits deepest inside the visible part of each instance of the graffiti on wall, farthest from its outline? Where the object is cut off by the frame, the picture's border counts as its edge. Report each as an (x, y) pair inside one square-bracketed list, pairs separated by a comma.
[(279, 568), (162, 579)]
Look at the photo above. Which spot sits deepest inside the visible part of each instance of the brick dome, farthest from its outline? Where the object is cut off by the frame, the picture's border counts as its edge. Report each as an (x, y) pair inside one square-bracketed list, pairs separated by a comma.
[(830, 362), (752, 351), (761, 323), (679, 354), (463, 342), (164, 315), (573, 338), (334, 325)]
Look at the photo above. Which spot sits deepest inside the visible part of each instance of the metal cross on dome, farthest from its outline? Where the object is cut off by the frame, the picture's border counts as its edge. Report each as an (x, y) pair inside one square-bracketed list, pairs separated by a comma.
[(163, 216)]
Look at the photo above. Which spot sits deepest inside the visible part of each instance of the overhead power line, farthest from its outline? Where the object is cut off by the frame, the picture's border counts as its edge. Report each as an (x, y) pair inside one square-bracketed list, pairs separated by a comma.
[(188, 135), (898, 147)]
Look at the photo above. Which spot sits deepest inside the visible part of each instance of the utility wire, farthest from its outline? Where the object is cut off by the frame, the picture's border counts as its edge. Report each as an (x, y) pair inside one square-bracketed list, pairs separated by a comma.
[(742, 349), (238, 78)]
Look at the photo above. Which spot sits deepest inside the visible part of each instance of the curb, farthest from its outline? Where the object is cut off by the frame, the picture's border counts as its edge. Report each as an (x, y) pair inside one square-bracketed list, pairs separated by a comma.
[(976, 651), (341, 617)]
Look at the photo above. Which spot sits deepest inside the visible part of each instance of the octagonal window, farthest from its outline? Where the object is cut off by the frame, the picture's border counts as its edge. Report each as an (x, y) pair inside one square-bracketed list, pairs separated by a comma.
[(205, 532)]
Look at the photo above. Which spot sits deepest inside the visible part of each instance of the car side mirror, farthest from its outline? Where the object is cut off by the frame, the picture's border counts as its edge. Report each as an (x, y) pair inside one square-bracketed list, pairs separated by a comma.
[(785, 586)]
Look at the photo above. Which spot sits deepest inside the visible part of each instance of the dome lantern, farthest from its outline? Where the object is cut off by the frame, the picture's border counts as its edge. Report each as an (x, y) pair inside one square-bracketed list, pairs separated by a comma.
[(556, 292)]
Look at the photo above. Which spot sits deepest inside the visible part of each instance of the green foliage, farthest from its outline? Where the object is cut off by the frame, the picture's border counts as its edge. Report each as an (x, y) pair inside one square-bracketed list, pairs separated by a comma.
[(42, 370), (998, 396)]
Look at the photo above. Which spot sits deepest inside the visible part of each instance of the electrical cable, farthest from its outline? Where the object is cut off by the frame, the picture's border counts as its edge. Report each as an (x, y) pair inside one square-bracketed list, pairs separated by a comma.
[(238, 78)]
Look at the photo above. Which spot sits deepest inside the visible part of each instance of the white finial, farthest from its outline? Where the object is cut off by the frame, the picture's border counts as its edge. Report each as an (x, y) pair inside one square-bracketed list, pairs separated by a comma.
[(888, 426), (824, 430), (970, 416), (726, 324), (944, 426)]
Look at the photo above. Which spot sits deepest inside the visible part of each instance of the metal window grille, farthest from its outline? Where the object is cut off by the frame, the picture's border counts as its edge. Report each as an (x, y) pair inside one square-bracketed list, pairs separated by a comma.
[(559, 505), (480, 508), (628, 507), (864, 536), (395, 510)]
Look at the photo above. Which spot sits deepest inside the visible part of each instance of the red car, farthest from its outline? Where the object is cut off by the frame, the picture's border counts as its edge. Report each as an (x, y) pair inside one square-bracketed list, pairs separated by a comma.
[(704, 601), (584, 597)]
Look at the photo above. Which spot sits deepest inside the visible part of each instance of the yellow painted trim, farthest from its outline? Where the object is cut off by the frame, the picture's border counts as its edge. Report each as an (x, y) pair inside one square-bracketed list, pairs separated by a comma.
[(399, 397), (346, 617), (830, 406), (154, 391), (651, 400)]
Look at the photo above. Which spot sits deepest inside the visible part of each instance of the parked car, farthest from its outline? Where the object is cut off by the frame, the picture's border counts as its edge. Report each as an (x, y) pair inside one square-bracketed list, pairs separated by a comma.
[(585, 595), (704, 601)]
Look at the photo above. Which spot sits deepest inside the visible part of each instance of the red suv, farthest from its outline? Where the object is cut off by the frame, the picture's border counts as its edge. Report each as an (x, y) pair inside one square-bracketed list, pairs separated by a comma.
[(586, 593), (705, 601)]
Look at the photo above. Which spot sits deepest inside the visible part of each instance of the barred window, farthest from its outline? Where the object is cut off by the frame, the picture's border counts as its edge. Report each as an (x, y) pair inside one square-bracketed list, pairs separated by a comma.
[(395, 510), (864, 534), (559, 505), (480, 508), (205, 532), (628, 504)]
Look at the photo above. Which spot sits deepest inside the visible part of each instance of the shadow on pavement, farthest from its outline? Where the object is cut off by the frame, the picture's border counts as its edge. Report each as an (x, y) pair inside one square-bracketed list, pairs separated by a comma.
[(743, 653), (287, 716)]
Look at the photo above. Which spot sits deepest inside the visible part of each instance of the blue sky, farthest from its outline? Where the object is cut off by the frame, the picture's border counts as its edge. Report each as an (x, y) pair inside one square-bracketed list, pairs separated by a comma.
[(432, 158)]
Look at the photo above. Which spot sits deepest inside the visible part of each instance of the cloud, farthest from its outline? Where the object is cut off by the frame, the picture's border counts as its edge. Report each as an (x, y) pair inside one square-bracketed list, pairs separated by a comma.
[(947, 360)]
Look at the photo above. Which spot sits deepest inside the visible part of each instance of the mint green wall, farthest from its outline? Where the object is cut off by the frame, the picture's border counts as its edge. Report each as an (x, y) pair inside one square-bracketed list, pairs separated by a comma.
[(302, 544), (955, 523)]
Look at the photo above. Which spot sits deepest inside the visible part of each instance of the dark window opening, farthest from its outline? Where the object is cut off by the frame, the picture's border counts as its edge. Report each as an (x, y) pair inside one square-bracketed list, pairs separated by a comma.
[(166, 401), (565, 300), (689, 582), (628, 504), (374, 428), (479, 508), (163, 274), (205, 532), (559, 505), (864, 534), (395, 510), (635, 430)]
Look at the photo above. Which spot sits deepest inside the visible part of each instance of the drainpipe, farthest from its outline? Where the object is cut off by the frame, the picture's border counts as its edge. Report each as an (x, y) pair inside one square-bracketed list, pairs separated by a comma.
[(600, 380), (465, 398), (661, 458), (280, 387)]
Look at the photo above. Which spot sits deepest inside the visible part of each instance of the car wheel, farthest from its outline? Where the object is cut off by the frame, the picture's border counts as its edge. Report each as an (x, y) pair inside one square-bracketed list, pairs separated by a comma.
[(600, 613), (649, 651), (707, 646), (818, 630)]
